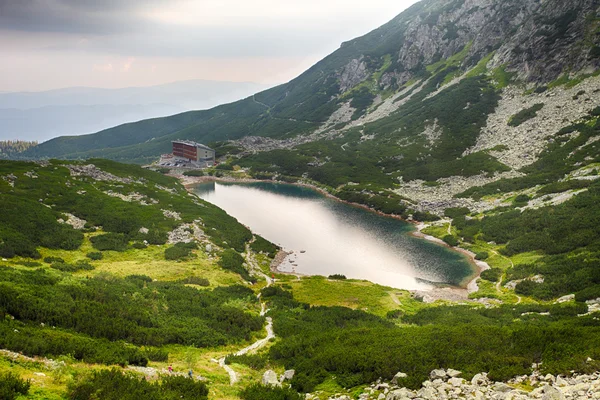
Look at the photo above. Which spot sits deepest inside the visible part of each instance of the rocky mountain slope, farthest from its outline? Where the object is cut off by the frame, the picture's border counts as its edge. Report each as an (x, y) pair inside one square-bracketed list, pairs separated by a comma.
[(527, 41)]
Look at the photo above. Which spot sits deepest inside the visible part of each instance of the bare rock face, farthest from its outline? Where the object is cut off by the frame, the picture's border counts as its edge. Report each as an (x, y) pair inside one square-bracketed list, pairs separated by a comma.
[(352, 74), (536, 40)]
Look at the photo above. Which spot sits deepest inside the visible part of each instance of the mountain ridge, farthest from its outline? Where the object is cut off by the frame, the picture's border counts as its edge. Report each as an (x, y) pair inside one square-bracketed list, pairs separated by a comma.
[(410, 46)]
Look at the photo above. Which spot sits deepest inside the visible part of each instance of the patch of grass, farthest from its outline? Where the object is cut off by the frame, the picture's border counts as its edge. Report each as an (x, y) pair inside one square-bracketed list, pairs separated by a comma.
[(355, 294), (502, 77)]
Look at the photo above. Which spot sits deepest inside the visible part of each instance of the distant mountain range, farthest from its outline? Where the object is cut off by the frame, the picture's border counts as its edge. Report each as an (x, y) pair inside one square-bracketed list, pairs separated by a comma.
[(74, 111)]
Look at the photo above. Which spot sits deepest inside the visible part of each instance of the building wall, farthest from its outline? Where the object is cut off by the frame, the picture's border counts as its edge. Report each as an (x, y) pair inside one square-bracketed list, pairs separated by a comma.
[(185, 151)]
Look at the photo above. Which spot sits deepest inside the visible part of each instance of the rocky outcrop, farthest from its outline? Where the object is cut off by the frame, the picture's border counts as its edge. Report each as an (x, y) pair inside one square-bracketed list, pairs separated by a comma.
[(75, 222), (95, 173), (536, 40), (521, 145), (352, 74), (447, 384), (186, 233)]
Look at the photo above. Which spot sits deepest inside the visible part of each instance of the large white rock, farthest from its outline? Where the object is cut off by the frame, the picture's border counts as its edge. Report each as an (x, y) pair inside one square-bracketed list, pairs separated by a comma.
[(552, 393), (437, 374), (400, 394), (399, 375), (289, 374), (480, 379), (452, 373), (456, 382), (270, 378)]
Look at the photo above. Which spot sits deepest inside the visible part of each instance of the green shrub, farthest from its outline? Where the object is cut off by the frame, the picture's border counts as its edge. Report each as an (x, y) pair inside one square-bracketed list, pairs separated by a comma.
[(12, 386), (108, 309), (450, 240), (95, 255), (156, 237), (337, 276), (589, 293), (521, 199), (525, 115), (526, 287), (456, 212), (482, 255), (257, 391), (114, 385), (233, 261), (30, 264), (110, 241), (492, 275), (180, 251), (224, 167), (139, 245), (78, 266), (26, 224), (50, 260), (261, 245), (155, 354)]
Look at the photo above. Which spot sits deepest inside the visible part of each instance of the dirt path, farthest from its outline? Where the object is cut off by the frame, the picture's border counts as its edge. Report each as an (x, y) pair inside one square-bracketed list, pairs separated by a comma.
[(395, 298), (499, 284), (261, 103), (233, 377)]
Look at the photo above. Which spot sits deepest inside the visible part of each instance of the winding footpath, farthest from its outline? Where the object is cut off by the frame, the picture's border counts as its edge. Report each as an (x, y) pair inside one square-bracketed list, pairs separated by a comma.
[(499, 284), (233, 377)]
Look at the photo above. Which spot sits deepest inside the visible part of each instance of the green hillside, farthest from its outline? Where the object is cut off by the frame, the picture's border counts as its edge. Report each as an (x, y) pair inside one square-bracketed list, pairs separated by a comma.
[(83, 283)]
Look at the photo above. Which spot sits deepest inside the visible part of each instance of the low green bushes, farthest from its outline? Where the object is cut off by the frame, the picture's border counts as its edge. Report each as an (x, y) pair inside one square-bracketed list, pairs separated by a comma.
[(110, 241), (525, 115), (180, 251), (257, 391), (503, 341), (115, 385), (233, 261), (12, 386), (261, 245), (492, 274), (78, 266), (451, 240), (95, 255), (135, 309)]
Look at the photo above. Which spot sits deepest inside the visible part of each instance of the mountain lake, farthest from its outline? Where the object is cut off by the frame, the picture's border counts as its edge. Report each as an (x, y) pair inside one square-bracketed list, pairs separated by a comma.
[(329, 237)]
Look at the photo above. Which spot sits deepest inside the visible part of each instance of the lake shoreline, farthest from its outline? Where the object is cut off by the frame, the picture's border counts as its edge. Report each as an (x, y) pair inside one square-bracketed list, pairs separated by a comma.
[(442, 292)]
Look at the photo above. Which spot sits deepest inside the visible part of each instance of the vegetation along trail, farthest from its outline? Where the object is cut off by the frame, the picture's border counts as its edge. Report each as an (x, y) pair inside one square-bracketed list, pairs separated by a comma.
[(233, 377)]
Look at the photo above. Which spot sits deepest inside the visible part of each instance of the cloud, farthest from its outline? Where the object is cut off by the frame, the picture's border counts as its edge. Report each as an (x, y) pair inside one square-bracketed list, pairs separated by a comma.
[(75, 16)]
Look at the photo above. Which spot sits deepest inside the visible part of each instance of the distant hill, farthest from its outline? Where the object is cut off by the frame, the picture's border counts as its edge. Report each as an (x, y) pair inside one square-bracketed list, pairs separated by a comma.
[(79, 110)]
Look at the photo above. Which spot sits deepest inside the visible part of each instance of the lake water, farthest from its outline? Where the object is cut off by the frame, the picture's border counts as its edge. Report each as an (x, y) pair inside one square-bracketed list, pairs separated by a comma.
[(331, 237)]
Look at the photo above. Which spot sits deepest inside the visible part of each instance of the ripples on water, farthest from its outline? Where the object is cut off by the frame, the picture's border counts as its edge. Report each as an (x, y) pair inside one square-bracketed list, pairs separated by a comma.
[(337, 238)]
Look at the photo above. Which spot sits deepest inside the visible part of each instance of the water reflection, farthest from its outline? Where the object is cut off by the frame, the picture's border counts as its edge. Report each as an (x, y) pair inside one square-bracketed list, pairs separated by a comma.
[(330, 237)]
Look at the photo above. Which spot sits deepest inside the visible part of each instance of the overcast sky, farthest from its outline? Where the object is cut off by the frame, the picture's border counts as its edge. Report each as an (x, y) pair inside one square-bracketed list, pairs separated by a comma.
[(48, 44)]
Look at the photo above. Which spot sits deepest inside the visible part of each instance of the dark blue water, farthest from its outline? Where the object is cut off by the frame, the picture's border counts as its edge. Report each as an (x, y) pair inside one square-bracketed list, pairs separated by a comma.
[(337, 238)]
